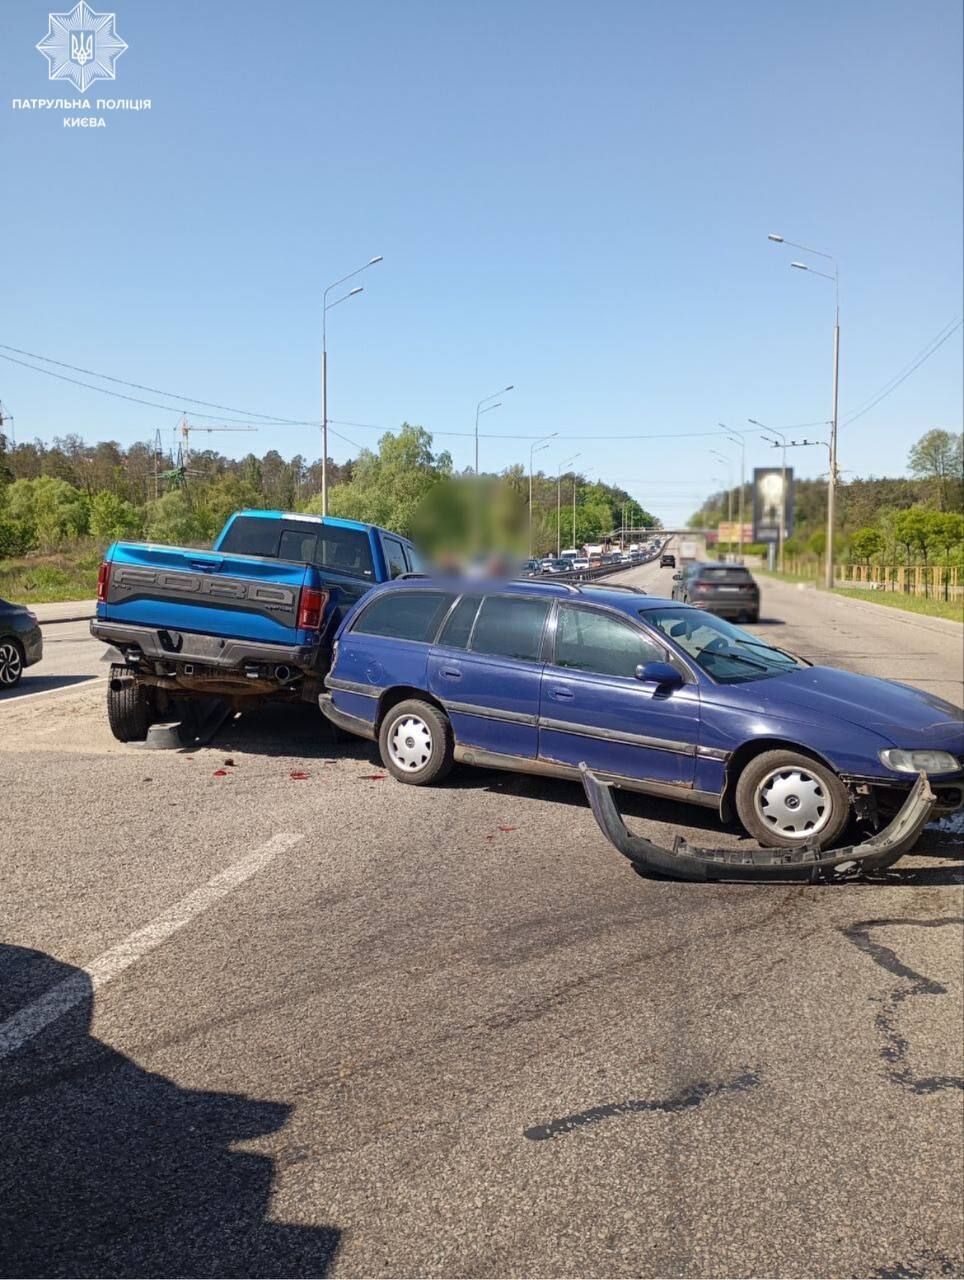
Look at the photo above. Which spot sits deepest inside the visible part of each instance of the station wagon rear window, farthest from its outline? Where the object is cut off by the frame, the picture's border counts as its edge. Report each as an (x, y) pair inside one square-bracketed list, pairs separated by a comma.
[(405, 615), (326, 546), (510, 627)]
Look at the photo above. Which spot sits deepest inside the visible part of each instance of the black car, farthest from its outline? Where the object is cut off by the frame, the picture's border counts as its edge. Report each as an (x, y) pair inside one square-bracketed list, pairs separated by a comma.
[(21, 643), (728, 590), (667, 561)]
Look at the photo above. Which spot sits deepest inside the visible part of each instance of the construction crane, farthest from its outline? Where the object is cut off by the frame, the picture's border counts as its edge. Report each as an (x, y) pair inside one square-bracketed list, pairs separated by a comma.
[(186, 428), (177, 476)]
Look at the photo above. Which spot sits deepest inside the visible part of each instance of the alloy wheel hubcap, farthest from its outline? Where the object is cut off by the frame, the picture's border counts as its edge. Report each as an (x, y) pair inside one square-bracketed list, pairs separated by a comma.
[(793, 802), (10, 663), (410, 744)]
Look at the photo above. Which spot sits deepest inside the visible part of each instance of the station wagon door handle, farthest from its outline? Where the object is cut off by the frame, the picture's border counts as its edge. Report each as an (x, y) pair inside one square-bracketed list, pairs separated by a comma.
[(561, 692), (452, 673)]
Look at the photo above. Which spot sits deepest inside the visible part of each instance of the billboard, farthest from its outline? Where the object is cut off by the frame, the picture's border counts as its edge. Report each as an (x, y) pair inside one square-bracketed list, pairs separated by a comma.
[(768, 496)]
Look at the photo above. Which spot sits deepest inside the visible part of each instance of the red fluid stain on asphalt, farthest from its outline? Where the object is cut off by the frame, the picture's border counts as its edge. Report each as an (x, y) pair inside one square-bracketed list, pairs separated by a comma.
[(508, 828), (220, 773), (298, 774), (373, 777)]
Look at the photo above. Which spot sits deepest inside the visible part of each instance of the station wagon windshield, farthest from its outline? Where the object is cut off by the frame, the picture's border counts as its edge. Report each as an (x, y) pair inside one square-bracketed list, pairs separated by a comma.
[(726, 653)]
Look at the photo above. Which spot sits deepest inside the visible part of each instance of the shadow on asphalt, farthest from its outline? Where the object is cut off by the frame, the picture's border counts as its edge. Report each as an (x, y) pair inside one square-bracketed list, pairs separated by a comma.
[(41, 684), (110, 1170)]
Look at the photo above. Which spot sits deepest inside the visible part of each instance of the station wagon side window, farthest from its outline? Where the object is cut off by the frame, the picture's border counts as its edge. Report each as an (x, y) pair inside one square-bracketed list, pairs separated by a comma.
[(404, 615), (587, 640), (510, 627), (394, 556), (458, 625)]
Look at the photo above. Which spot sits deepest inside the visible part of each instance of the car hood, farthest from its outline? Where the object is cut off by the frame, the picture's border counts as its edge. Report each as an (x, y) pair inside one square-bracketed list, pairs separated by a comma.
[(906, 717)]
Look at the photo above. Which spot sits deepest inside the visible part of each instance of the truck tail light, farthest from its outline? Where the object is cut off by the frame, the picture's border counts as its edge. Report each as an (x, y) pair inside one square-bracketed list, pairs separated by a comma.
[(311, 608), (103, 581)]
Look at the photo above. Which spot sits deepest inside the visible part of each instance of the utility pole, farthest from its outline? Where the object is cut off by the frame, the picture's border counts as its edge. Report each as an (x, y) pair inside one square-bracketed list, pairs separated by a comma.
[(4, 418), (742, 443)]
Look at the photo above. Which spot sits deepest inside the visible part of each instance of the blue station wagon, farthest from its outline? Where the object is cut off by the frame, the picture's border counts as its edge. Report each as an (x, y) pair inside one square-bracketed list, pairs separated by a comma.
[(653, 695)]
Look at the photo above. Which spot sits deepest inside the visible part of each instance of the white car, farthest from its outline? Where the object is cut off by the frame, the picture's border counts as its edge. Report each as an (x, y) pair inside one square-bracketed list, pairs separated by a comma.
[(580, 563)]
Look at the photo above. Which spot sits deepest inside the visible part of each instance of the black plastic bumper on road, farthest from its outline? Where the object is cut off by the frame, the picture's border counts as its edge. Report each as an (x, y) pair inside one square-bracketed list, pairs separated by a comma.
[(687, 862), (189, 646)]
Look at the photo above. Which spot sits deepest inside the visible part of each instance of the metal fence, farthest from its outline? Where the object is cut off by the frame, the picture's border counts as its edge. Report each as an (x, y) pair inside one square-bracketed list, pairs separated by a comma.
[(934, 581)]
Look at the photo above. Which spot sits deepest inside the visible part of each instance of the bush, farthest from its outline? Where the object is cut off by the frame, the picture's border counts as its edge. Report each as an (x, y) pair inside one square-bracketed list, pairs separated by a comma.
[(17, 537)]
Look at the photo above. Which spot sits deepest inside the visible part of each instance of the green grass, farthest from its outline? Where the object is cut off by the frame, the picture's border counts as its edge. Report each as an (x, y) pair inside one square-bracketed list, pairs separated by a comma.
[(927, 606), (45, 579), (951, 609)]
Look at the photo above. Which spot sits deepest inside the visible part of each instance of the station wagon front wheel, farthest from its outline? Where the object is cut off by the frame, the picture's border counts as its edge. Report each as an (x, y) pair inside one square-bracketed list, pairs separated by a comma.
[(786, 799), (415, 742)]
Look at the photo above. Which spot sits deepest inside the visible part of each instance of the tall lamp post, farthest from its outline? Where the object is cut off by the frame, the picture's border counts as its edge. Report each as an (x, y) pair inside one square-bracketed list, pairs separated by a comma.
[(778, 444), (562, 466), (832, 478), (729, 487), (479, 410), (742, 443), (326, 306), (534, 449)]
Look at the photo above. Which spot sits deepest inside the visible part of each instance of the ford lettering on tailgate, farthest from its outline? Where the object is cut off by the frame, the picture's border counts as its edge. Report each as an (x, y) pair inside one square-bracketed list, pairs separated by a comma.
[(130, 581)]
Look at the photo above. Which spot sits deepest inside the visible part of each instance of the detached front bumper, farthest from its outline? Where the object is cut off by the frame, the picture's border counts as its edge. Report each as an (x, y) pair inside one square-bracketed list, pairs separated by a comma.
[(688, 862)]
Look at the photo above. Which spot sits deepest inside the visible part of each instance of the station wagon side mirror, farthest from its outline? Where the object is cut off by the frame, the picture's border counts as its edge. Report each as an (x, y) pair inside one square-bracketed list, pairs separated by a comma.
[(662, 673)]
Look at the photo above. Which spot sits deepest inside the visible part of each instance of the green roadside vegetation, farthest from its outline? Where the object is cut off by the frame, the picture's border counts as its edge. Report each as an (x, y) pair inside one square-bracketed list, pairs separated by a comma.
[(62, 504), (928, 606), (953, 610)]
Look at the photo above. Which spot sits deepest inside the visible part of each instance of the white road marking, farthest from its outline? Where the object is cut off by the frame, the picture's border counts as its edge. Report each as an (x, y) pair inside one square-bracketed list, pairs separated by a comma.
[(33, 1018)]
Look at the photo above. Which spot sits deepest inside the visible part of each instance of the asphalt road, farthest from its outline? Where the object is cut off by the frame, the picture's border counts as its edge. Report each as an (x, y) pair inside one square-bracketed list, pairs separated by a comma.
[(258, 1023)]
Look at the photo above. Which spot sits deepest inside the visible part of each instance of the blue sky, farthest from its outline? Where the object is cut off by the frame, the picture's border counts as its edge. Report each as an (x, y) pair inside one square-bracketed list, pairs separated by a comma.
[(572, 198)]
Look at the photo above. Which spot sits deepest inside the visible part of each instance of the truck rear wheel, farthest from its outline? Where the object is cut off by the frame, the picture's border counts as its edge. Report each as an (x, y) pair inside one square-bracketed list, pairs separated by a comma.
[(130, 710)]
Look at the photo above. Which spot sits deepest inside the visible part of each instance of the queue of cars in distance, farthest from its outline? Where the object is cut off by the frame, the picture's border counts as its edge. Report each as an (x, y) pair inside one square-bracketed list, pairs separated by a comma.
[(21, 643), (653, 695)]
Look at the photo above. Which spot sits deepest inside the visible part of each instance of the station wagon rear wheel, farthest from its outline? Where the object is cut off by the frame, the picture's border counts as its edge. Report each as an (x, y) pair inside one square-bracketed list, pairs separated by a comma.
[(415, 742), (786, 799)]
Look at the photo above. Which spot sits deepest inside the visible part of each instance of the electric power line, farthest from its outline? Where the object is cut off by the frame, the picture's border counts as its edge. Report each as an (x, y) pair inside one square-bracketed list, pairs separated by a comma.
[(924, 354)]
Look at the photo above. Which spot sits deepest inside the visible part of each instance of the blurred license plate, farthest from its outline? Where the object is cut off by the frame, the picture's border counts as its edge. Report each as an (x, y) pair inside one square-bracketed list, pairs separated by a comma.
[(731, 589)]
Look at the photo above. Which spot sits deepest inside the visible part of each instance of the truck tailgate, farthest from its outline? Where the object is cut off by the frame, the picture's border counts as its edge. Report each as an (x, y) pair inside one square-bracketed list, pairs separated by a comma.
[(234, 596)]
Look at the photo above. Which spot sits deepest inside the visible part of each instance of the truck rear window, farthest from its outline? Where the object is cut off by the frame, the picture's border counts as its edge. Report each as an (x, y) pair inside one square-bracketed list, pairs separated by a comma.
[(327, 546)]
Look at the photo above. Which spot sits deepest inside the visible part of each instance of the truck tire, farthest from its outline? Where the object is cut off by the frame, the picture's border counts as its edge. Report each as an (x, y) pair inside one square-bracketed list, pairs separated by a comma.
[(129, 706), (786, 799), (416, 743)]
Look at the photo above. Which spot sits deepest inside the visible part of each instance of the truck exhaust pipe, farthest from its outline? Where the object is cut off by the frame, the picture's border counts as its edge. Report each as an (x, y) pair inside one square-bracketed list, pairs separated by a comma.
[(282, 673)]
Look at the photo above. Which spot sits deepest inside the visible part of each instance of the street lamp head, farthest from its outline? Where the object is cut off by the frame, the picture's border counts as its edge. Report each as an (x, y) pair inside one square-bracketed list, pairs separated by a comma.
[(372, 261), (509, 387), (753, 422), (800, 266), (776, 239), (357, 289)]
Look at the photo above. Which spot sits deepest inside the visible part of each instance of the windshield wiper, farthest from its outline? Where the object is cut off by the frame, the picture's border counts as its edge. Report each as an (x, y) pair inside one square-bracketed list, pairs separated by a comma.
[(736, 657), (771, 648)]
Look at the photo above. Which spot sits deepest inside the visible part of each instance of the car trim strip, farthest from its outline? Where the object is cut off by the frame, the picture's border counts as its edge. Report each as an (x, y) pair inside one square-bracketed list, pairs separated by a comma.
[(490, 713), (353, 686), (616, 735), (713, 753)]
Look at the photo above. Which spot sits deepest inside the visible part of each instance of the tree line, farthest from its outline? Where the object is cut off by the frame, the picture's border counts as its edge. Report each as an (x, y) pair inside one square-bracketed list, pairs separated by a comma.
[(907, 520), (63, 495)]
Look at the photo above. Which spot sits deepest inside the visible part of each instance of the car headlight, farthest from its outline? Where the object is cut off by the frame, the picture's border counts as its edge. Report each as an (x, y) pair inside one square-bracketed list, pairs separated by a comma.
[(915, 761)]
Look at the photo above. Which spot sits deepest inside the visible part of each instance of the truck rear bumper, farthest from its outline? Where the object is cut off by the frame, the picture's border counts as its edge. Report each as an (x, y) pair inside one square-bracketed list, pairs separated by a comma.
[(190, 646)]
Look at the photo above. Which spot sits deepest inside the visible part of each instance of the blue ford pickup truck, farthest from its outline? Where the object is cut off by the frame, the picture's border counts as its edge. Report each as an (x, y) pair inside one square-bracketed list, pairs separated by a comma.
[(252, 618)]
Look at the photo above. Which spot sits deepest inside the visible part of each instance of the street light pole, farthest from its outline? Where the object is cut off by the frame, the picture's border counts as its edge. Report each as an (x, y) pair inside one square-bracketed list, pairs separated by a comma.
[(729, 490), (742, 443), (832, 477), (326, 306), (478, 410), (562, 465), (783, 483), (534, 449)]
